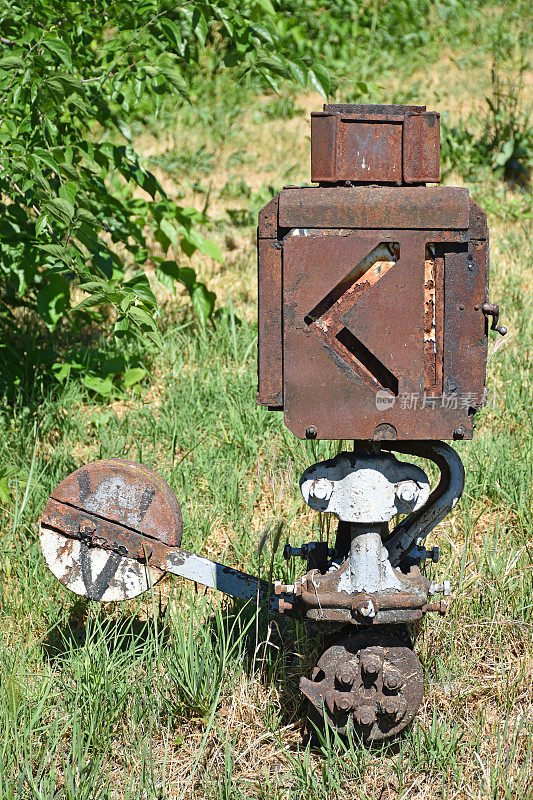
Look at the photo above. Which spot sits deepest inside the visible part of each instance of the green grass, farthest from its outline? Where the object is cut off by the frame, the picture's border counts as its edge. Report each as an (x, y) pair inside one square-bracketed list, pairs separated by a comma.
[(181, 693)]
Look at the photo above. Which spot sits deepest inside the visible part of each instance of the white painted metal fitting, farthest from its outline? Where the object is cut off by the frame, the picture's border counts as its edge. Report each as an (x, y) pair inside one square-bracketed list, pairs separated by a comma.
[(364, 488), (321, 489), (407, 492), (367, 610), (440, 588)]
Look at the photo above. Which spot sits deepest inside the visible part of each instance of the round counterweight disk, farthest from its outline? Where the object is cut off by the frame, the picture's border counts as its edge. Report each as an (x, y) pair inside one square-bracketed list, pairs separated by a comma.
[(124, 493), (369, 683)]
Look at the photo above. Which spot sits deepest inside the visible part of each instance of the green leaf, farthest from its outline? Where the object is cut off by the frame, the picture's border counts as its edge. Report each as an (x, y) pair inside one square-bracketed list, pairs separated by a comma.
[(199, 25), (41, 223), (97, 299), (319, 80), (192, 241), (60, 48), (57, 251), (60, 209), (68, 191), (12, 62), (53, 299), (102, 386), (203, 301), (140, 286), (46, 158), (133, 376), (265, 5), (121, 328)]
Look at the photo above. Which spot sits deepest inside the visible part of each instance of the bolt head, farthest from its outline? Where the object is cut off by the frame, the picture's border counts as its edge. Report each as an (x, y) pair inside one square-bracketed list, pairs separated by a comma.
[(392, 679), (371, 664), (365, 606), (310, 432), (407, 492), (346, 674), (367, 609), (366, 715), (390, 706), (321, 489), (343, 702)]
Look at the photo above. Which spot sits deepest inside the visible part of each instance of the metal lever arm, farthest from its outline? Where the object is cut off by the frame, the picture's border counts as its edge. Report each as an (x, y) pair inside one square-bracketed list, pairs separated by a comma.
[(440, 502), (492, 310), (96, 532)]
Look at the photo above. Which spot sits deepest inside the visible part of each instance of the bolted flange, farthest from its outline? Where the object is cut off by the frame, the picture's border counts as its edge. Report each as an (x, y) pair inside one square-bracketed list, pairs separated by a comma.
[(385, 693)]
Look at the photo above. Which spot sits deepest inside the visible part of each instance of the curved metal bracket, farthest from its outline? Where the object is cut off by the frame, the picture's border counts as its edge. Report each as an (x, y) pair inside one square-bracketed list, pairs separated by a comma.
[(440, 502)]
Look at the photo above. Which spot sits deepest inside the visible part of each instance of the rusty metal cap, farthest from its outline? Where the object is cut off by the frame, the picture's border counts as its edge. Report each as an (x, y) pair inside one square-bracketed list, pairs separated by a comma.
[(126, 493), (389, 144)]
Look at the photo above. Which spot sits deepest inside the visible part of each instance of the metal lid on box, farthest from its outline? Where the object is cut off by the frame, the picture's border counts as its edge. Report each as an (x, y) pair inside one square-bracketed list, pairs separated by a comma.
[(381, 144)]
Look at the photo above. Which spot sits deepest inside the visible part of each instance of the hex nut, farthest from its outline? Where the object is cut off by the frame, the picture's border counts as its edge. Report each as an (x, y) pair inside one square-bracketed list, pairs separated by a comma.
[(407, 492), (371, 664), (390, 706), (343, 702), (365, 715), (365, 606), (392, 679), (347, 674), (321, 489)]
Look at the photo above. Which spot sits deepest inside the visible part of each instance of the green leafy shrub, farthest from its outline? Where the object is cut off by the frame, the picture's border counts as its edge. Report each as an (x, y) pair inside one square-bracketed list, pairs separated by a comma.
[(79, 209), (505, 141)]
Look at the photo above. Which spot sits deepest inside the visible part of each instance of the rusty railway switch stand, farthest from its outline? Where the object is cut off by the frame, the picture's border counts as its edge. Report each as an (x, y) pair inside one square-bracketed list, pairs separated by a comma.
[(373, 327)]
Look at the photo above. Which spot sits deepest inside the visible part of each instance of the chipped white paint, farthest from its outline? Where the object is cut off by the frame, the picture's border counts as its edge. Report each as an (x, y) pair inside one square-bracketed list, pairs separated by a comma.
[(103, 575), (369, 568), (119, 494), (365, 489), (93, 572)]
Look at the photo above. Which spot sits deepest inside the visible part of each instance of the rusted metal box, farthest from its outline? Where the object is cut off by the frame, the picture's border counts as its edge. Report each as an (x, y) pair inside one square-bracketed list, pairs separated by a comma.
[(371, 323)]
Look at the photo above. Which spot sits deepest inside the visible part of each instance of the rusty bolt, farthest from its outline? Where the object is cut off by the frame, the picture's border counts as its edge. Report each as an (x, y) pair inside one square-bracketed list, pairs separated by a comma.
[(365, 606), (284, 605), (459, 433), (441, 607), (371, 664), (310, 432), (392, 679), (393, 707), (390, 706), (366, 715), (346, 674), (343, 702), (338, 701)]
